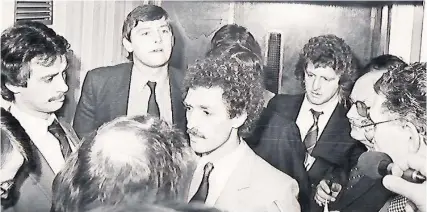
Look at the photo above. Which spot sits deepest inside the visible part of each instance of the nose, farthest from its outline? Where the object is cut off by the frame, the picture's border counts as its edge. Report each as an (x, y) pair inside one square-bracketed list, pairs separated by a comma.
[(158, 37), (316, 84), (62, 85), (352, 112), (190, 119)]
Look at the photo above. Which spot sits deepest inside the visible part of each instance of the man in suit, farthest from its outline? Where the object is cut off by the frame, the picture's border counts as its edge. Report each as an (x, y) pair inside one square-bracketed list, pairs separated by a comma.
[(146, 85), (361, 193), (327, 68), (224, 98), (34, 64)]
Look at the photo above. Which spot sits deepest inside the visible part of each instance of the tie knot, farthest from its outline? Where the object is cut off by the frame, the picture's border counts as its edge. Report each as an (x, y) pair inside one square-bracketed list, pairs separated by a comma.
[(207, 169), (316, 114), (152, 85), (54, 126)]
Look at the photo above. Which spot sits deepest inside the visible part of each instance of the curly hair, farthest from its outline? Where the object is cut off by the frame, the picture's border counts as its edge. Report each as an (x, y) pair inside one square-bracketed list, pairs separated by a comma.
[(405, 90), (231, 34), (146, 12), (330, 51), (239, 75), (150, 168), (22, 43)]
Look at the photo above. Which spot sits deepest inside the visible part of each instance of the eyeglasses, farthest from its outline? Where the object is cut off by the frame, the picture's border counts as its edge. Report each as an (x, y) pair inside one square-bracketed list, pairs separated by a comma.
[(363, 111)]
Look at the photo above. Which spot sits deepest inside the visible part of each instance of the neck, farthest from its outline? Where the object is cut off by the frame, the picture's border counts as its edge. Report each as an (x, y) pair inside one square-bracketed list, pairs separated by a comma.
[(152, 73), (22, 107), (228, 147)]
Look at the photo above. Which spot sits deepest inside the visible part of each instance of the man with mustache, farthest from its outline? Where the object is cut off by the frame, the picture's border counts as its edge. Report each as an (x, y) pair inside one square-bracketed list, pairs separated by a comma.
[(224, 99), (146, 85), (33, 78)]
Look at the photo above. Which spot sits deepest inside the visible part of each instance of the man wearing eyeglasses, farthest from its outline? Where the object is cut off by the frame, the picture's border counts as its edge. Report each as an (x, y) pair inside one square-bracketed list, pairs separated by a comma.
[(361, 192), (327, 69)]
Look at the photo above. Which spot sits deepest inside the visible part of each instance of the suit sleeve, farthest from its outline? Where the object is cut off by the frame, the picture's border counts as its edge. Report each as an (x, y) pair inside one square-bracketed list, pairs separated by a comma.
[(85, 116), (289, 202)]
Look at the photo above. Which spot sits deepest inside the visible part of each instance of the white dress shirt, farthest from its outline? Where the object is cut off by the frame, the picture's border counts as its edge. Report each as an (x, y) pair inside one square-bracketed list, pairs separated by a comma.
[(305, 121), (46, 143), (223, 168), (139, 94)]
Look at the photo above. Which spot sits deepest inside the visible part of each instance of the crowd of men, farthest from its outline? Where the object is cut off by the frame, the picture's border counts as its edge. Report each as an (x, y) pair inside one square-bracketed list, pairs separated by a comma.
[(147, 138)]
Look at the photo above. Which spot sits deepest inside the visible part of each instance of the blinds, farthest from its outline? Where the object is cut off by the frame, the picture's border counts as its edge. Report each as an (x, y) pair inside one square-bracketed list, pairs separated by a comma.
[(33, 10)]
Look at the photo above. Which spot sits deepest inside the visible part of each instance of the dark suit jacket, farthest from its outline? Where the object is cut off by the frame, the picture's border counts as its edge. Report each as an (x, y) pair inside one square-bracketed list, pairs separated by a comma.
[(34, 188), (280, 145), (335, 148), (367, 195), (105, 95)]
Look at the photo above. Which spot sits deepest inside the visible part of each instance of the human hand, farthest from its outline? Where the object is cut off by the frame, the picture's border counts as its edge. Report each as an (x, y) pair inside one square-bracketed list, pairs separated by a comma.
[(326, 192), (415, 192)]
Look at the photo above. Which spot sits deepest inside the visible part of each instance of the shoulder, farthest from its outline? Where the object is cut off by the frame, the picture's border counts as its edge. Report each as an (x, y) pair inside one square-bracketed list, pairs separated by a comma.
[(110, 71)]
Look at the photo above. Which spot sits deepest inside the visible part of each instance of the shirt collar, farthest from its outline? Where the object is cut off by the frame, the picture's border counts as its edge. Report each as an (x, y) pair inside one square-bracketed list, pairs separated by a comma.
[(33, 125), (228, 159), (161, 77)]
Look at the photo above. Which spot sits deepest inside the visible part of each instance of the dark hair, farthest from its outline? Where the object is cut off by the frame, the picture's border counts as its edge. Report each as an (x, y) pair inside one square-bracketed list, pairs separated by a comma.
[(22, 43), (405, 90), (239, 75), (382, 62), (13, 136), (231, 34), (149, 168), (330, 51), (147, 12)]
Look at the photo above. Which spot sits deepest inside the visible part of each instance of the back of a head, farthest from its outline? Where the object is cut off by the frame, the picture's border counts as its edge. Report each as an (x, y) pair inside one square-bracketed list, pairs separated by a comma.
[(138, 156), (234, 34), (14, 137), (405, 88), (382, 62), (22, 43)]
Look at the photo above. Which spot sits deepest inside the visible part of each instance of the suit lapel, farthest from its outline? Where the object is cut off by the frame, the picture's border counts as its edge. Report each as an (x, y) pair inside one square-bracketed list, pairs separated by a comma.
[(43, 175), (360, 188), (119, 103), (239, 180), (178, 112)]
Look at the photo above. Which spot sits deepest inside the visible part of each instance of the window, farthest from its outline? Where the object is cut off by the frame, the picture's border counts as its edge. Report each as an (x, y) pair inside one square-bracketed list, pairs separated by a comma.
[(34, 10)]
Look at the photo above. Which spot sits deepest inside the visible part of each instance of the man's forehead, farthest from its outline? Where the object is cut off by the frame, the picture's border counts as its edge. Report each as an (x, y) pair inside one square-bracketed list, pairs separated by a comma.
[(42, 68), (150, 24), (364, 86), (203, 95)]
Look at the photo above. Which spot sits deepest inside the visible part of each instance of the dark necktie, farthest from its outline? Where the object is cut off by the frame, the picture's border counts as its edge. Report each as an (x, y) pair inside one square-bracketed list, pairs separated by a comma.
[(311, 137), (153, 107), (202, 192), (57, 131)]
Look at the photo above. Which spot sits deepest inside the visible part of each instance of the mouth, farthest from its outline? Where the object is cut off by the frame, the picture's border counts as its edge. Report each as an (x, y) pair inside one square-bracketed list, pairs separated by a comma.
[(157, 50), (60, 98)]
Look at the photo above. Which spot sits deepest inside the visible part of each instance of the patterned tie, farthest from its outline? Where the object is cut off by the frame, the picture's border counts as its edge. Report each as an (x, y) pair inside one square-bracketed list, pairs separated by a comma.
[(56, 130), (153, 107), (398, 204), (311, 137), (202, 191)]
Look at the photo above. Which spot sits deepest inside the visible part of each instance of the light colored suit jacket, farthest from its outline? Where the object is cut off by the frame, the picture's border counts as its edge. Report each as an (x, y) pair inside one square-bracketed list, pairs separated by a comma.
[(257, 186), (35, 188)]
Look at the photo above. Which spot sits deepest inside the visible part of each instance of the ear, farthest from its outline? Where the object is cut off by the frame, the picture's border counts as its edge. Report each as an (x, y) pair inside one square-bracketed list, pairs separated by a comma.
[(15, 89), (414, 140), (127, 44), (239, 120)]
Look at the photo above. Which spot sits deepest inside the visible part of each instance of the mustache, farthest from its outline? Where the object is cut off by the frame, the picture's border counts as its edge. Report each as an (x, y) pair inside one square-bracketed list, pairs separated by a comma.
[(195, 132), (55, 98)]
